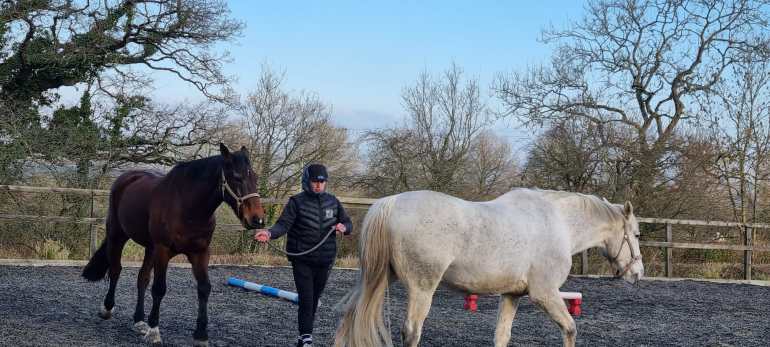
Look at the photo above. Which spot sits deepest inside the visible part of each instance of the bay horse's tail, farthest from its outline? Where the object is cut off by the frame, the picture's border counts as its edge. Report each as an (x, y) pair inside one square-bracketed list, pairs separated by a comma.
[(97, 267), (362, 323), (99, 264)]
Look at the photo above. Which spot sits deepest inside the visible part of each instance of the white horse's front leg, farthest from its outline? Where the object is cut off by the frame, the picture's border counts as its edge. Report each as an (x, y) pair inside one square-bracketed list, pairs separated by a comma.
[(552, 303), (505, 314)]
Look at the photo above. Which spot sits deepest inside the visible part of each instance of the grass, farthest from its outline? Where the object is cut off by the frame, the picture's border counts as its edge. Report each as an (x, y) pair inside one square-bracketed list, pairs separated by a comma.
[(51, 250), (14, 253)]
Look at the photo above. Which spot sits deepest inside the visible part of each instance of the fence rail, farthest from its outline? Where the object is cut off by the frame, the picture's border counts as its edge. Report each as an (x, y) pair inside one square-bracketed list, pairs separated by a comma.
[(103, 192), (669, 245)]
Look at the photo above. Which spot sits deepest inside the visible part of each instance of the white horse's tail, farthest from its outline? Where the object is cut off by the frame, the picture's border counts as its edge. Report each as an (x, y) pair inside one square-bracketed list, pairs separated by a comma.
[(362, 323)]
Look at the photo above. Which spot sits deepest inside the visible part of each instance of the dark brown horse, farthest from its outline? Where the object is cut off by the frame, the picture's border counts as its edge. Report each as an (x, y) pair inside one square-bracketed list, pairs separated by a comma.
[(170, 215)]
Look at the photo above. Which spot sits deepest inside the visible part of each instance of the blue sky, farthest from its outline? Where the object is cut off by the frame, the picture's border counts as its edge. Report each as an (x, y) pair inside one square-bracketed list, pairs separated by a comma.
[(358, 55)]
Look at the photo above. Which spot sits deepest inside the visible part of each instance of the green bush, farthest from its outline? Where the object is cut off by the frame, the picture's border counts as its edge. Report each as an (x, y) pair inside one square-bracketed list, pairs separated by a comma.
[(51, 249), (133, 251)]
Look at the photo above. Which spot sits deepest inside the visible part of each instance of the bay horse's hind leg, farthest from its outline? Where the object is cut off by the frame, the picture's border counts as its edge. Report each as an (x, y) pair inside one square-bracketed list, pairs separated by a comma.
[(114, 253), (142, 280), (160, 256), (200, 263), (552, 303)]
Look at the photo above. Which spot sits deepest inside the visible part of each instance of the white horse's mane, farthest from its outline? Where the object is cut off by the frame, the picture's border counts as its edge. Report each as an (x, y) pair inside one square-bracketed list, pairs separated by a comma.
[(592, 204)]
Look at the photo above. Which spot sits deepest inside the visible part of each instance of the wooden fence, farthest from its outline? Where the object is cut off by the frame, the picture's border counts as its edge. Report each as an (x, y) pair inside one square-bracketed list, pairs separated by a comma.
[(669, 245), (747, 247)]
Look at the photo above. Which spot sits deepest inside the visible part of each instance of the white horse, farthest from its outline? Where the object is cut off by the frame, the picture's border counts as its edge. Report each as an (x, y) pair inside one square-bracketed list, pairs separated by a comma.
[(520, 243)]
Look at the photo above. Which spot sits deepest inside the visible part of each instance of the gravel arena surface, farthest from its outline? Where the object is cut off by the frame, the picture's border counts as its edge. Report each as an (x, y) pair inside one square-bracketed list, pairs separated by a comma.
[(53, 306)]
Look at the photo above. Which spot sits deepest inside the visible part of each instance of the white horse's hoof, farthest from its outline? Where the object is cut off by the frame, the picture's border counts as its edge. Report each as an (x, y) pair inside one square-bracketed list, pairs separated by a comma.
[(201, 343), (105, 313), (141, 328), (153, 336)]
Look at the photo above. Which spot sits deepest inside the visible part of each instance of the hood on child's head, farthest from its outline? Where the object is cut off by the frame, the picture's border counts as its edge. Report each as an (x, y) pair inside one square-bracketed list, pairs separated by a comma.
[(313, 172)]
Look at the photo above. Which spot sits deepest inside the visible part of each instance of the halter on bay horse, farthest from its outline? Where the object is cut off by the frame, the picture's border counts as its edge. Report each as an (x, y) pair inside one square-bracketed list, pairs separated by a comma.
[(520, 243), (170, 215)]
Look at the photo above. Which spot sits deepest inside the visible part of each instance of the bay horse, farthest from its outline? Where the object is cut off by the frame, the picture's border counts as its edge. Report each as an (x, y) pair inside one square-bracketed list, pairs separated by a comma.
[(520, 243), (171, 215)]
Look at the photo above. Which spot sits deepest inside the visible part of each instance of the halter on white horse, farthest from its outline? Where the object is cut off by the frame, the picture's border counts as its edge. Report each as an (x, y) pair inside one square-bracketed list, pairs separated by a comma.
[(634, 257)]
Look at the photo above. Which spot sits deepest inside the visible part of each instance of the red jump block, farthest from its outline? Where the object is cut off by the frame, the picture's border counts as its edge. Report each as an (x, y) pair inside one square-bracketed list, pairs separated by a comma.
[(470, 302), (574, 300)]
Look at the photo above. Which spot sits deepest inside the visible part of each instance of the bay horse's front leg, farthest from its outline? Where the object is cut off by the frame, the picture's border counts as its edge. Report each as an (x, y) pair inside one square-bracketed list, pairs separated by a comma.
[(161, 256), (200, 269), (552, 303)]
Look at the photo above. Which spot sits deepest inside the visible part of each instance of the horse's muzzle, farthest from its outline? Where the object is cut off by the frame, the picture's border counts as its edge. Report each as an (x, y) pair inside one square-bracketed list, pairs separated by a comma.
[(256, 223)]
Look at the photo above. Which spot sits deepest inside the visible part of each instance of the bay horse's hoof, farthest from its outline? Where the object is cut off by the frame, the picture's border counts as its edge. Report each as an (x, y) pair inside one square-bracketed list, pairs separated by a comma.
[(201, 343), (153, 336), (141, 328), (105, 313)]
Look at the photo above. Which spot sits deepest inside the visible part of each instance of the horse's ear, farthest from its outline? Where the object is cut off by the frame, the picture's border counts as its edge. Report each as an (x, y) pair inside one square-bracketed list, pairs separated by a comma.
[(628, 209), (245, 151), (224, 150)]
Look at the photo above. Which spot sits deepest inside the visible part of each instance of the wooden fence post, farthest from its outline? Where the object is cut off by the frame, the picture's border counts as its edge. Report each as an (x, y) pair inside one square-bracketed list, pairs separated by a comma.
[(669, 252), (584, 262), (91, 229), (748, 231)]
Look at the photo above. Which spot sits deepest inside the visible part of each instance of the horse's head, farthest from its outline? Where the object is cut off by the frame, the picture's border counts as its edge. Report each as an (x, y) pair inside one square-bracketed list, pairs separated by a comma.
[(239, 187), (622, 248)]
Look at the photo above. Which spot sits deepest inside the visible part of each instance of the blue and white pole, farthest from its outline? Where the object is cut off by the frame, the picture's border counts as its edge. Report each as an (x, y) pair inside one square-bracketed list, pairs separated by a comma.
[(278, 293)]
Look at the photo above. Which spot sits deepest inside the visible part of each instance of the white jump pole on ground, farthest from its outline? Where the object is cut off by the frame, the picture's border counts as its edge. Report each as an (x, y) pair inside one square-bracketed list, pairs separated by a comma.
[(267, 290)]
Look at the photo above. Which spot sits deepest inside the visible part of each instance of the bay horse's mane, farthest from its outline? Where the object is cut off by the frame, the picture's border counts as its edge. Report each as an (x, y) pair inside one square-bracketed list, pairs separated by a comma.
[(197, 169), (202, 169)]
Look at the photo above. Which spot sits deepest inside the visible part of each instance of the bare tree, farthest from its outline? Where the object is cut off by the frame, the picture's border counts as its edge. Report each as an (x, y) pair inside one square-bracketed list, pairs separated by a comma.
[(287, 131), (577, 155), (568, 156), (640, 64), (742, 126), (431, 149), (446, 114), (135, 131), (393, 162), (490, 169), (694, 193)]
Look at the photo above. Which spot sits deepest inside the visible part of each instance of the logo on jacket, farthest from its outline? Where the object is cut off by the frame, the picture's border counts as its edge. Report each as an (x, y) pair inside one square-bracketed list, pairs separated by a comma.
[(329, 213)]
